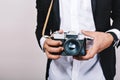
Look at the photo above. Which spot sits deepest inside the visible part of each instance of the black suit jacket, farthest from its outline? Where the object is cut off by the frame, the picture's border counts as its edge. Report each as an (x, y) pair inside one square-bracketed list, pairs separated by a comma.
[(103, 10)]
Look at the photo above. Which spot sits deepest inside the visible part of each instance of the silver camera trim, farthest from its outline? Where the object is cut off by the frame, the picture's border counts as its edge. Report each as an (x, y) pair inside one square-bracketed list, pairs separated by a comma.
[(58, 35)]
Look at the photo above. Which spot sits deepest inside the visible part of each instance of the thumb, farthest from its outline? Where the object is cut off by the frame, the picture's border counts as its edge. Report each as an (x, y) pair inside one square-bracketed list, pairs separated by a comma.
[(60, 31), (88, 33)]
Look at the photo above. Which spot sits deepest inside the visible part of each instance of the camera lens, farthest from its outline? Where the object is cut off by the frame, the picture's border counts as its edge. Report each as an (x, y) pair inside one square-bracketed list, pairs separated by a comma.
[(72, 47)]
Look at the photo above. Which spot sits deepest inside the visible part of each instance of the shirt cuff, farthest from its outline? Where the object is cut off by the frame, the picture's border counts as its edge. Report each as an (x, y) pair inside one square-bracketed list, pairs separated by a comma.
[(42, 40), (116, 31), (116, 35)]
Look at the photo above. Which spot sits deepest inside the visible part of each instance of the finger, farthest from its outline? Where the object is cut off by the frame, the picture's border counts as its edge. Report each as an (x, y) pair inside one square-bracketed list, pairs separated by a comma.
[(81, 57), (60, 31), (88, 33), (53, 49), (51, 42), (93, 50), (87, 56), (50, 56)]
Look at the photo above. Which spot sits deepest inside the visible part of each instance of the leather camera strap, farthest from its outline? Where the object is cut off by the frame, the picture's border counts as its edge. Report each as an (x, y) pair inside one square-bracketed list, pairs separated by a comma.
[(47, 18)]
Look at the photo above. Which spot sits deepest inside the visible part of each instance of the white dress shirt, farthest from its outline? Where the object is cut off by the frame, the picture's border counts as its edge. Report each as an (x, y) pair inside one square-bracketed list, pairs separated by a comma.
[(76, 15)]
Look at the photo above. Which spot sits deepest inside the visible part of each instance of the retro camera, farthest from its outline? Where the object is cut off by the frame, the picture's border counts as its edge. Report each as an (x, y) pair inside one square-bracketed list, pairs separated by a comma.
[(74, 44)]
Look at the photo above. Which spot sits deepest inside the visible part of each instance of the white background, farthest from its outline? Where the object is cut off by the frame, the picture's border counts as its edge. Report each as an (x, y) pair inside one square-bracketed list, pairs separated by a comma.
[(20, 55)]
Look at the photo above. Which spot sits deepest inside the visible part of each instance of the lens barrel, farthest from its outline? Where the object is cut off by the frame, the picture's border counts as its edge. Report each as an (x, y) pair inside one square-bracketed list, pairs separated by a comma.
[(72, 47)]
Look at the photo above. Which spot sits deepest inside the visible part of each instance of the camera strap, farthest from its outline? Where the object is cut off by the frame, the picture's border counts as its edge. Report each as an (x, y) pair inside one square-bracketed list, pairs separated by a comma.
[(47, 18)]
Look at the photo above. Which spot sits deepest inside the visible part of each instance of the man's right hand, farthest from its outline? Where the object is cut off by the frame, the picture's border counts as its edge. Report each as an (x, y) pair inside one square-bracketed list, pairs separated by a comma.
[(52, 46)]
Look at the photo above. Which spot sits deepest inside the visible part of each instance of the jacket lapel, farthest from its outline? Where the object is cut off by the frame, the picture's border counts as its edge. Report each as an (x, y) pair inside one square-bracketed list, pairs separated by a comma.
[(56, 12), (93, 2)]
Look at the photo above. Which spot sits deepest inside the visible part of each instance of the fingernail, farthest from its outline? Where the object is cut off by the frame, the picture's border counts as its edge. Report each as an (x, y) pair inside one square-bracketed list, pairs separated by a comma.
[(62, 48), (60, 43)]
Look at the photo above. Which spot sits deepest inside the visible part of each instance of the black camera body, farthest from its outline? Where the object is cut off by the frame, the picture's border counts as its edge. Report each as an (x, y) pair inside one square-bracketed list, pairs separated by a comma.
[(73, 44)]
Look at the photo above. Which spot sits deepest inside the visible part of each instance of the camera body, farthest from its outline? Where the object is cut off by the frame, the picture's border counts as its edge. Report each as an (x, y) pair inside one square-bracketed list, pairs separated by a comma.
[(73, 44)]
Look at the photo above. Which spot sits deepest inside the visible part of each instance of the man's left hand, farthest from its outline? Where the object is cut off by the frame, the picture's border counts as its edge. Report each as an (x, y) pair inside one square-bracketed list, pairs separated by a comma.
[(101, 41)]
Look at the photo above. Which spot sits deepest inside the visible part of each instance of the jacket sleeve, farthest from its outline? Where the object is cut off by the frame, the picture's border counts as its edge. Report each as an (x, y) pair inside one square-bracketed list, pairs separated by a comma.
[(116, 14), (42, 8)]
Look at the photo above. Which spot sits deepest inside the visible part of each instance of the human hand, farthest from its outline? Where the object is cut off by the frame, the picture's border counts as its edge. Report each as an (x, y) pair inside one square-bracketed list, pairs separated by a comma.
[(52, 46), (101, 41)]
